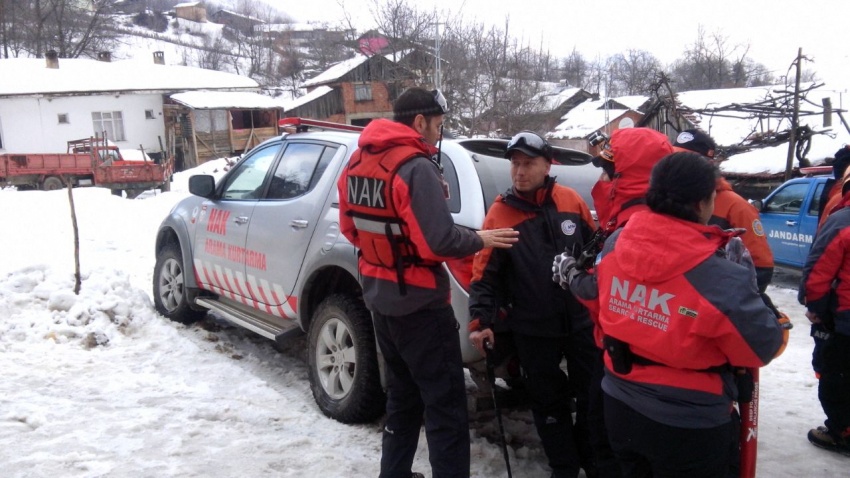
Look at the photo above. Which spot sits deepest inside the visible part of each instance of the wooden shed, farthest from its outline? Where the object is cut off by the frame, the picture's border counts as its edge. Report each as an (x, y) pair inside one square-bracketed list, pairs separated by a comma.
[(205, 125)]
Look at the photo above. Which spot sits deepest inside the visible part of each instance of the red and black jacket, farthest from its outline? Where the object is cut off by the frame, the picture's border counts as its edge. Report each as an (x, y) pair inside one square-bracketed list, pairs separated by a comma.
[(520, 278), (393, 208), (826, 275), (688, 311)]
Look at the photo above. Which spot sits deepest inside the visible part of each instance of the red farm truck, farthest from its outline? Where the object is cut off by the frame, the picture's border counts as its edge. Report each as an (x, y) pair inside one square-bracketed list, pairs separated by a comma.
[(88, 162)]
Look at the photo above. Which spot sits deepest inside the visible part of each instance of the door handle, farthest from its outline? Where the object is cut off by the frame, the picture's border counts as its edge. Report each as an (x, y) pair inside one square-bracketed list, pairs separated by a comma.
[(299, 223), (241, 220), (791, 223)]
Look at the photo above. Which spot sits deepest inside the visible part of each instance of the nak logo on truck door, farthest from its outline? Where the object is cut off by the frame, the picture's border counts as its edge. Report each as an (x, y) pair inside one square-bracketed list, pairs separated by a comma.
[(367, 192), (218, 222)]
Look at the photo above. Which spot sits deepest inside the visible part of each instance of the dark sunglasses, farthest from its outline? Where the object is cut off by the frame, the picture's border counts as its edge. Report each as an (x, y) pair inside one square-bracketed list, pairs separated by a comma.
[(440, 100)]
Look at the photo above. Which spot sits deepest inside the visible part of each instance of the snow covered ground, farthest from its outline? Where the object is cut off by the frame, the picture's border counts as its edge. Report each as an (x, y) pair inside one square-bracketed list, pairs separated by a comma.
[(100, 385)]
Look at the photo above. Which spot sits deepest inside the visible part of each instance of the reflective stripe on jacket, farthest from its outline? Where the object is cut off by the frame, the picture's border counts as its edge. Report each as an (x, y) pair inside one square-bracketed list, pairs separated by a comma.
[(420, 212)]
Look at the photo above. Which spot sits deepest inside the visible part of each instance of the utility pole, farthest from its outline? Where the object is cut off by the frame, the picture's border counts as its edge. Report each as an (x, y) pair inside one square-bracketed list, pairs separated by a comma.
[(792, 139), (438, 74)]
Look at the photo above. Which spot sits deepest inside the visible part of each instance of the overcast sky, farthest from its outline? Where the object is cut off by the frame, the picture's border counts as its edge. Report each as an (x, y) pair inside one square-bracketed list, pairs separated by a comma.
[(774, 29)]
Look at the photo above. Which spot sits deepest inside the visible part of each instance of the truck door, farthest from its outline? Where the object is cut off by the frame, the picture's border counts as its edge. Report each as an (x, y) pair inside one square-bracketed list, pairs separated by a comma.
[(219, 243), (284, 221), (782, 218)]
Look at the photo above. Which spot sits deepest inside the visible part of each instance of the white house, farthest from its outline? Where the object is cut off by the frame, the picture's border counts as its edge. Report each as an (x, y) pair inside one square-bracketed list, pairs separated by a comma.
[(45, 103)]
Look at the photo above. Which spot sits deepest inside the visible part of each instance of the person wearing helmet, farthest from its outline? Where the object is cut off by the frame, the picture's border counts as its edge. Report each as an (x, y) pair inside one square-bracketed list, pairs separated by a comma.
[(731, 210)]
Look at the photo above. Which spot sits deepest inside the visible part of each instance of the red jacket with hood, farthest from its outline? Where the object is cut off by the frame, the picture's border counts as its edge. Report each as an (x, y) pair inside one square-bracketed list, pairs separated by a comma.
[(635, 152), (666, 291), (416, 195)]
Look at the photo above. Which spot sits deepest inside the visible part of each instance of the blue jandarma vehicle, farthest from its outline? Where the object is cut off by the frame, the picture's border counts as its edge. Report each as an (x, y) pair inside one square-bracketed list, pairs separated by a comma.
[(789, 215)]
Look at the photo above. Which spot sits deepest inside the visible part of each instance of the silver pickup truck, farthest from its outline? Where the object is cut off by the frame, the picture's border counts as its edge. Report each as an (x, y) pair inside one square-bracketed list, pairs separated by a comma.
[(262, 248)]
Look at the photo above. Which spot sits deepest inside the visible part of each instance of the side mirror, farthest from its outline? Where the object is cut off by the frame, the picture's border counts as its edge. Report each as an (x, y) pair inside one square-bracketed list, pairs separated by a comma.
[(757, 203), (202, 185)]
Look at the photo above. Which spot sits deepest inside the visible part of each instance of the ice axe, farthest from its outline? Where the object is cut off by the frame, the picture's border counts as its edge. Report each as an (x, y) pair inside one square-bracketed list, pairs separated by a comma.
[(491, 377)]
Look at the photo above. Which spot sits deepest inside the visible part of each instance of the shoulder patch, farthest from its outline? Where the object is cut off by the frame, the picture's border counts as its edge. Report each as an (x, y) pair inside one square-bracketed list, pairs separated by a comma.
[(758, 229), (568, 227)]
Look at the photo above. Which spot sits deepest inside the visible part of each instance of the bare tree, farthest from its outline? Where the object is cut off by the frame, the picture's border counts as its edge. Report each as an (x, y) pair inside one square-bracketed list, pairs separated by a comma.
[(576, 70), (632, 73), (711, 62), (70, 27)]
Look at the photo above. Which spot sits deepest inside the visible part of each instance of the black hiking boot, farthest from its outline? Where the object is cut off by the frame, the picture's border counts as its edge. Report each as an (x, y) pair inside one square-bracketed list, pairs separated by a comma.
[(823, 438)]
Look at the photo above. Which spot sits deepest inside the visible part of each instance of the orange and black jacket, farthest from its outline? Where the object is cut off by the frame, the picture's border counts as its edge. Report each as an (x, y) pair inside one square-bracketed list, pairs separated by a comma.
[(519, 279), (832, 201), (826, 275), (393, 208), (731, 210), (688, 312)]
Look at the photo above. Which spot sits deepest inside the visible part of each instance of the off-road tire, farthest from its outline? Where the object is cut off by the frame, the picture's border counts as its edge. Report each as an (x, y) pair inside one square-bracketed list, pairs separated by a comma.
[(52, 183), (342, 361), (170, 295)]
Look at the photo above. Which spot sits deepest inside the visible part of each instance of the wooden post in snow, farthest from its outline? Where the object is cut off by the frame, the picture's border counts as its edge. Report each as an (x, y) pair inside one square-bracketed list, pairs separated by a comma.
[(792, 139), (69, 185)]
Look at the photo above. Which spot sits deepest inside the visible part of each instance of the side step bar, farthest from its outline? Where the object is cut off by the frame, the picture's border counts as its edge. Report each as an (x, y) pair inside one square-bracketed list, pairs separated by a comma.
[(250, 322)]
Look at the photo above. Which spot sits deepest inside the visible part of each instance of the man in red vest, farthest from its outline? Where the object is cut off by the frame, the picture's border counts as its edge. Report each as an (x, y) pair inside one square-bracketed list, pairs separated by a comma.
[(392, 206)]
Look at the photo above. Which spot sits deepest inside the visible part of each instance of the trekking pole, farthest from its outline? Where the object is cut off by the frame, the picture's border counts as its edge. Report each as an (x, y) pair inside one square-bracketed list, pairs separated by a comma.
[(491, 377)]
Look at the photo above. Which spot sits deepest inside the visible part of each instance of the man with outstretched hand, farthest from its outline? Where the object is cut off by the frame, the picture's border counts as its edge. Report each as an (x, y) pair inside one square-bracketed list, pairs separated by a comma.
[(392, 206)]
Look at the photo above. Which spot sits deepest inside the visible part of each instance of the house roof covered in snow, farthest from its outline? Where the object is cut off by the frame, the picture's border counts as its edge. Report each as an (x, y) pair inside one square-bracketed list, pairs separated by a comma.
[(584, 119), (210, 100), (303, 100), (552, 99), (30, 76), (336, 71)]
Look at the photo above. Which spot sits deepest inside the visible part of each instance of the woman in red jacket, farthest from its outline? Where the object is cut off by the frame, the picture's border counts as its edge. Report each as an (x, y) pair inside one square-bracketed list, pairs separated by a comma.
[(677, 316)]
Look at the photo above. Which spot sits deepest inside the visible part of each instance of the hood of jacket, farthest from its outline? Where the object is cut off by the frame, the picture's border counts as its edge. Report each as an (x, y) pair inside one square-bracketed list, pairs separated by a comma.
[(635, 152), (381, 134), (656, 247)]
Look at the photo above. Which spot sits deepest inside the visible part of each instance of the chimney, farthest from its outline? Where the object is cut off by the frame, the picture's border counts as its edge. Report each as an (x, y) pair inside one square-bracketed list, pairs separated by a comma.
[(159, 57), (104, 56), (52, 59)]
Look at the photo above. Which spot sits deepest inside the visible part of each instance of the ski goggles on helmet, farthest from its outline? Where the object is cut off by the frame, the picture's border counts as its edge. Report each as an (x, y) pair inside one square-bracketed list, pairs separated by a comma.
[(529, 143), (441, 101)]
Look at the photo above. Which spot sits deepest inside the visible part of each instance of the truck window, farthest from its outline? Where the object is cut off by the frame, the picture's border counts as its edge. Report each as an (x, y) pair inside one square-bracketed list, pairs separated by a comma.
[(789, 199), (294, 173), (246, 182), (814, 207)]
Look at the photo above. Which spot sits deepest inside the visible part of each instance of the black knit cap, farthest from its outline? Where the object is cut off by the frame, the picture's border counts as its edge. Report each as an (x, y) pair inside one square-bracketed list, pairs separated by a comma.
[(419, 101), (697, 141)]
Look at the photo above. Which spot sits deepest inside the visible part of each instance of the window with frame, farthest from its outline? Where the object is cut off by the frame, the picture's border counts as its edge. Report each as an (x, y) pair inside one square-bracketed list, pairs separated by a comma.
[(300, 167), (246, 182), (62, 118), (814, 207), (362, 92), (149, 114), (110, 124), (789, 199)]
